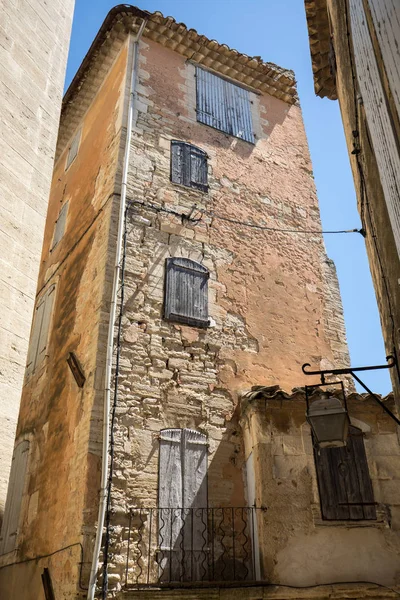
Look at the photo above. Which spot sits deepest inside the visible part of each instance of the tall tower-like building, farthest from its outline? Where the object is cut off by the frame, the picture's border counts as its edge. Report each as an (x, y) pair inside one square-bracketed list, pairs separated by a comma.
[(184, 281), (33, 55)]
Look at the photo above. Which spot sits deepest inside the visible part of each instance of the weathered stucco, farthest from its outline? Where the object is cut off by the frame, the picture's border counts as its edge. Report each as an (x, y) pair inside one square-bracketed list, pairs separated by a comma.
[(62, 421), (297, 547)]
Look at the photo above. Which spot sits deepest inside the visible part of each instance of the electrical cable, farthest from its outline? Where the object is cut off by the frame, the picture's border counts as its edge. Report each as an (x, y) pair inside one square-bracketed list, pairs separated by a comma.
[(215, 215)]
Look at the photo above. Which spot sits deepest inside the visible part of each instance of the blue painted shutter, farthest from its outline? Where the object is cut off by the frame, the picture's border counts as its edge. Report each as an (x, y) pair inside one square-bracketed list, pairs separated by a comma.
[(223, 105), (186, 292)]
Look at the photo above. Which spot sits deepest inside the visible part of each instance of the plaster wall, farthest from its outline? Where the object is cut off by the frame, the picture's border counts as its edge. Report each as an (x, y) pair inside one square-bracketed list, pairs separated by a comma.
[(273, 296), (297, 547), (34, 40), (63, 421)]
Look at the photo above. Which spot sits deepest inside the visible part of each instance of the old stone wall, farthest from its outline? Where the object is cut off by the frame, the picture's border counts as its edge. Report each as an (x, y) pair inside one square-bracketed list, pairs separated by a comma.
[(298, 547), (273, 302), (34, 40)]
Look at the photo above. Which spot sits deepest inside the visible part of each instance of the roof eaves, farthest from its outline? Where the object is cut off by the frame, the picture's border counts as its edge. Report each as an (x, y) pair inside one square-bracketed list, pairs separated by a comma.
[(319, 36)]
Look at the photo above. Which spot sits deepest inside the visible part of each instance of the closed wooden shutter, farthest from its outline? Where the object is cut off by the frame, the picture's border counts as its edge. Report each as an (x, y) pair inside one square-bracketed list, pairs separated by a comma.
[(40, 330), (186, 292), (223, 105), (182, 501), (379, 122), (9, 531), (73, 149), (344, 484), (188, 165), (60, 225)]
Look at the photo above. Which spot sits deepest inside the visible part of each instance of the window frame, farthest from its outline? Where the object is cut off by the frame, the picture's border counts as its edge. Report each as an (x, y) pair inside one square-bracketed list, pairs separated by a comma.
[(76, 139), (229, 106), (186, 176), (334, 482), (169, 313)]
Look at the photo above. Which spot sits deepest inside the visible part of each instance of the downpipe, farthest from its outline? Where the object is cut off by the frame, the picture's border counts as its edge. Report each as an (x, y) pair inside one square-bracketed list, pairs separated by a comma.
[(113, 309)]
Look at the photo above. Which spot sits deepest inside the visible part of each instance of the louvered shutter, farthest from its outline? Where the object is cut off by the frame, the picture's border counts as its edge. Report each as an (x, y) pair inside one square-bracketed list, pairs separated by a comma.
[(380, 126), (223, 105), (197, 168), (60, 225), (34, 340), (344, 483), (182, 500), (9, 531), (44, 331), (188, 165), (73, 149), (186, 292)]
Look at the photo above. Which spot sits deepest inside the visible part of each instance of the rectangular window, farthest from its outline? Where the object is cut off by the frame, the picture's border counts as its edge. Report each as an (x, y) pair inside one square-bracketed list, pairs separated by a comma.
[(182, 501), (186, 292), (40, 330), (60, 225), (73, 149), (223, 105), (344, 484), (188, 165), (9, 530)]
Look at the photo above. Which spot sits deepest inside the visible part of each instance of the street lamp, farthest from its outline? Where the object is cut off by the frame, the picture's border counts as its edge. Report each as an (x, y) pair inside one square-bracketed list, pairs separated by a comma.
[(328, 416)]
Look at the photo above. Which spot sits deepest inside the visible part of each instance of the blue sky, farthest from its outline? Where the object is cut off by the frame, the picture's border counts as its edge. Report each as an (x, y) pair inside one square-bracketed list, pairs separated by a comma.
[(276, 31)]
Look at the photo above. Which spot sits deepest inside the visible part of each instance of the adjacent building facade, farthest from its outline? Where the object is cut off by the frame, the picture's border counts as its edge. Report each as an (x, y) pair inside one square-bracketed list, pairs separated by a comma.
[(355, 59), (183, 283), (34, 40)]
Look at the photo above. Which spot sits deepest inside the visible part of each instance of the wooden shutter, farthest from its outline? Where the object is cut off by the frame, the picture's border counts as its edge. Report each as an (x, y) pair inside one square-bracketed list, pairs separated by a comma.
[(34, 340), (12, 511), (60, 225), (223, 105), (182, 501), (379, 121), (40, 330), (344, 483), (177, 161), (188, 165), (73, 149), (186, 292)]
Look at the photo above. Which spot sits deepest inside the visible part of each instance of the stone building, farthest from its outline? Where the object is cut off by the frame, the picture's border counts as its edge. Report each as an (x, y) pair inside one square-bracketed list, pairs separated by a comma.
[(34, 40), (183, 283), (355, 59)]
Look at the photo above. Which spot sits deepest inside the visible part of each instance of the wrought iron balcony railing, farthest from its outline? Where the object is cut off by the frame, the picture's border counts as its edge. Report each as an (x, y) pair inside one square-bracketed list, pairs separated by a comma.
[(184, 546)]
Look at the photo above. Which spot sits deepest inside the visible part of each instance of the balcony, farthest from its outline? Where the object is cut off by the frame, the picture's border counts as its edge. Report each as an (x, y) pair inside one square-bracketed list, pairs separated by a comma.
[(183, 547)]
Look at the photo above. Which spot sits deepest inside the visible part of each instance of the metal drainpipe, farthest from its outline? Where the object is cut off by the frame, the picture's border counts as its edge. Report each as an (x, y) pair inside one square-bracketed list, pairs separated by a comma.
[(113, 308)]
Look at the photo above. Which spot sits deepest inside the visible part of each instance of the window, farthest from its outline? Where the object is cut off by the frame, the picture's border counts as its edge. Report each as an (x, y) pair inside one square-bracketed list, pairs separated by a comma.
[(223, 105), (188, 165), (73, 149), (182, 501), (344, 483), (40, 330), (9, 530), (60, 225), (186, 292)]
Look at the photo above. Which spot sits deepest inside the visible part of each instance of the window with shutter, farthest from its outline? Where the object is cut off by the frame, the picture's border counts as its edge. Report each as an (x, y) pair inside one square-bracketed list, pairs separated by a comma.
[(186, 292), (188, 165), (60, 225), (182, 501), (223, 105), (9, 530), (73, 149), (40, 330), (344, 484)]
